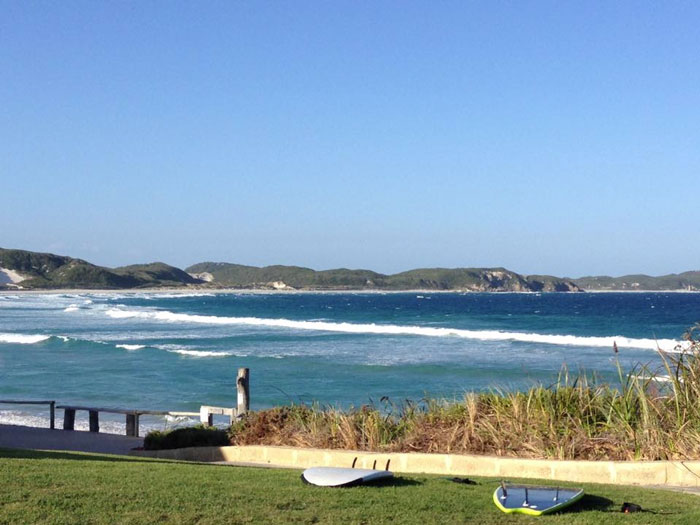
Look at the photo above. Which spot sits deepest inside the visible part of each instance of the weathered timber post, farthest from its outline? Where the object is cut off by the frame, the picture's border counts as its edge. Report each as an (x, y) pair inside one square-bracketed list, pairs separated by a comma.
[(243, 387), (52, 414), (132, 425), (68, 419), (94, 421)]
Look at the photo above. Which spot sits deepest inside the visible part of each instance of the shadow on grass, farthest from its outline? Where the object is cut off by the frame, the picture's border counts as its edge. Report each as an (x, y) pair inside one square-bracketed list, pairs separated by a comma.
[(19, 453), (394, 482), (384, 482), (591, 502)]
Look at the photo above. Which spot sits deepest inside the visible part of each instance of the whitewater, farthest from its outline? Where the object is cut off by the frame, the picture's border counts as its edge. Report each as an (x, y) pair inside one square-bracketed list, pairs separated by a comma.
[(175, 351), (351, 328)]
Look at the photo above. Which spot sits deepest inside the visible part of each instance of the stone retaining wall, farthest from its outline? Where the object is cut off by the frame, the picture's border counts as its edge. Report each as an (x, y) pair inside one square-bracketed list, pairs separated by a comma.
[(669, 473)]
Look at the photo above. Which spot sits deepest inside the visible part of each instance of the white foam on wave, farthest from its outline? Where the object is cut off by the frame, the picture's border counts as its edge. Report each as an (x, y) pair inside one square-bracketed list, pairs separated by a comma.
[(175, 295), (74, 307), (425, 331), (32, 339), (23, 339), (192, 352), (131, 347), (199, 353)]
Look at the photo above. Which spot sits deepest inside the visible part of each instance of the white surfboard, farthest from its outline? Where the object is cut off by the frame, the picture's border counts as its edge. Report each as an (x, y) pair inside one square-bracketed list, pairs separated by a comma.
[(343, 477)]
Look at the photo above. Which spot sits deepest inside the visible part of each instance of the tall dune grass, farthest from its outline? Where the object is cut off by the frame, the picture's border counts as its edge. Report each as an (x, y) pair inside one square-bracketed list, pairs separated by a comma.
[(647, 414)]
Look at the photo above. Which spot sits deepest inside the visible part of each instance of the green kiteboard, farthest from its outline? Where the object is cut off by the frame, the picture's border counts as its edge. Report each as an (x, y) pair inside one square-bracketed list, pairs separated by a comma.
[(534, 501)]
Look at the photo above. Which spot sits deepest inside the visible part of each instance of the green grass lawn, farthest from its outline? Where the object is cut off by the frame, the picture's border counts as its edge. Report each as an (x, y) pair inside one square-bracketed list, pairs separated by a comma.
[(62, 487)]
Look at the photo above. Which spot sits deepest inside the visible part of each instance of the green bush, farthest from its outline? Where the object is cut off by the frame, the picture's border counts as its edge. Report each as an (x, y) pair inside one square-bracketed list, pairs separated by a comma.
[(198, 436)]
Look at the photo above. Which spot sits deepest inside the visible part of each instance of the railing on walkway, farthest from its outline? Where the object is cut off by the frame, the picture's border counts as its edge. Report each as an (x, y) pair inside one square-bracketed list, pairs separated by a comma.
[(132, 417), (51, 403), (206, 413)]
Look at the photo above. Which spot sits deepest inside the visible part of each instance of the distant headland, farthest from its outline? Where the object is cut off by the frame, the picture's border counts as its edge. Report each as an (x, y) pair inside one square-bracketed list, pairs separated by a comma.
[(26, 270)]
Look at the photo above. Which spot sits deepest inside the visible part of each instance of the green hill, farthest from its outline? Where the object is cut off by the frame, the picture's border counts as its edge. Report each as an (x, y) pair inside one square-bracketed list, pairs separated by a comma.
[(680, 281), (468, 279), (478, 279), (156, 274), (50, 271), (236, 275), (47, 271)]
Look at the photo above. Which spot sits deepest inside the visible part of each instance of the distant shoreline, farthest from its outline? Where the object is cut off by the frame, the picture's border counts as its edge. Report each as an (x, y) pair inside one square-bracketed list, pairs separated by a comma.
[(255, 291), (677, 290)]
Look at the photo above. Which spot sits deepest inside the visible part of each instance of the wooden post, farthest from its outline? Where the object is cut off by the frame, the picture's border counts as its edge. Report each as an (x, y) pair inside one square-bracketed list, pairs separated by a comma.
[(68, 419), (132, 425), (94, 421), (243, 387), (52, 414)]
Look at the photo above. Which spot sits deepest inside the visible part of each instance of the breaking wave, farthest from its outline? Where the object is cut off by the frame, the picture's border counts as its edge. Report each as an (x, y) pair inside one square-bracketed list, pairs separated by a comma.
[(194, 353), (23, 339), (379, 329), (131, 347), (162, 295), (27, 339)]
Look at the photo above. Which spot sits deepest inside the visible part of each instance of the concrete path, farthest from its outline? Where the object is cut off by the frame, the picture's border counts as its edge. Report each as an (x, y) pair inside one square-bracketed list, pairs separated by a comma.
[(14, 436)]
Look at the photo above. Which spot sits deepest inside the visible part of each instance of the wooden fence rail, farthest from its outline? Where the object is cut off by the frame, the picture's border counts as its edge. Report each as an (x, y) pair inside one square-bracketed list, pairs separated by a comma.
[(132, 416), (51, 403), (206, 413)]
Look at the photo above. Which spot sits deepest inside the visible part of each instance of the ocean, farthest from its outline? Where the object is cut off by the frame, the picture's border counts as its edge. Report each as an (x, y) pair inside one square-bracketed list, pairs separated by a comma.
[(177, 351)]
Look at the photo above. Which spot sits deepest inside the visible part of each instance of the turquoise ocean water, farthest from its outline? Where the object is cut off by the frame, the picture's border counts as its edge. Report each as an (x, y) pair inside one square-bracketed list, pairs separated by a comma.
[(167, 351)]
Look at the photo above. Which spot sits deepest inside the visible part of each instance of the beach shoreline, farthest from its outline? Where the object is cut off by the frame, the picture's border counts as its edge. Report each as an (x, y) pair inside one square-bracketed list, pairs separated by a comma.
[(184, 290)]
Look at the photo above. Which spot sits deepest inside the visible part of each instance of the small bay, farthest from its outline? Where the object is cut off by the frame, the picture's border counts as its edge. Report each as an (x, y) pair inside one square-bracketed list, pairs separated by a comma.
[(171, 351)]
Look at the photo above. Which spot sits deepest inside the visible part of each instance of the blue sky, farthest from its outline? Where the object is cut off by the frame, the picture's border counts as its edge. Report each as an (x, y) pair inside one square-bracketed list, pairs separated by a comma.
[(546, 137)]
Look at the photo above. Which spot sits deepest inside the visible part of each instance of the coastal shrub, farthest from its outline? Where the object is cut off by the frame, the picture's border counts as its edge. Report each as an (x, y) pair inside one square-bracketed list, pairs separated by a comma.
[(645, 414), (197, 436), (364, 428)]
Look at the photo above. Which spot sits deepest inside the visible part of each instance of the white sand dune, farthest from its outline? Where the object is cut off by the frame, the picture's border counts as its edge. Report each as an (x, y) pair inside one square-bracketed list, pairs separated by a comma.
[(10, 276)]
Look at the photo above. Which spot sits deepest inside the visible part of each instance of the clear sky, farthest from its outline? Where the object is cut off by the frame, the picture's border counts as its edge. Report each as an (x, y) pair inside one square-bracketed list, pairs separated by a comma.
[(546, 137)]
